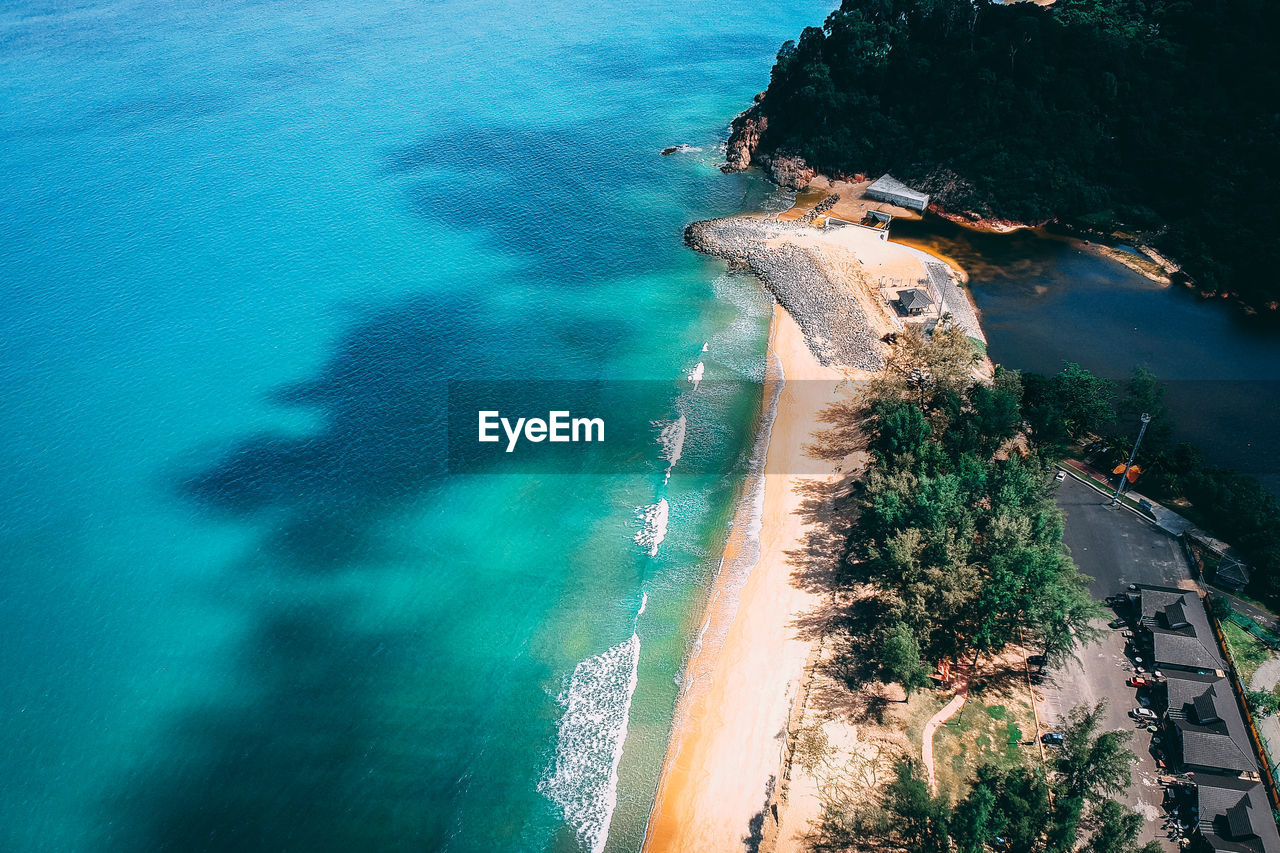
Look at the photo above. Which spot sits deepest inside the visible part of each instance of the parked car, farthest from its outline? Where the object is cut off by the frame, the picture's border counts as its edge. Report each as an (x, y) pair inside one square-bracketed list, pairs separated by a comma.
[(1037, 660), (1051, 738), (1143, 714), (1139, 681), (1117, 623), (1060, 476)]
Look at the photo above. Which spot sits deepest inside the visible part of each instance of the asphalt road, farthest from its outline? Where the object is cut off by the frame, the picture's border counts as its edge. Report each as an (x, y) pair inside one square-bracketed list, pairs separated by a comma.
[(1115, 548)]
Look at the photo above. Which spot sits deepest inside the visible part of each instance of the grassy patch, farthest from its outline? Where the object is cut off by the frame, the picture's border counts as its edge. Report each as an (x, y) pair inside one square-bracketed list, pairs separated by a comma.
[(909, 717), (1253, 627), (989, 729), (1247, 651)]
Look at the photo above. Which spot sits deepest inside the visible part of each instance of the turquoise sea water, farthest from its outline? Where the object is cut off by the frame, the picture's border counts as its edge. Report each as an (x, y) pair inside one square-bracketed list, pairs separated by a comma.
[(244, 247)]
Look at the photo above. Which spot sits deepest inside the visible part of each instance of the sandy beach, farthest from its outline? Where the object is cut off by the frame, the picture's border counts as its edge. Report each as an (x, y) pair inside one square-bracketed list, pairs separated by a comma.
[(725, 783), (728, 745)]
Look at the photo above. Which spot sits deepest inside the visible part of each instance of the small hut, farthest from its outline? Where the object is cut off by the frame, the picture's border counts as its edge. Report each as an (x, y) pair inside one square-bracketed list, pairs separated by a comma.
[(914, 302)]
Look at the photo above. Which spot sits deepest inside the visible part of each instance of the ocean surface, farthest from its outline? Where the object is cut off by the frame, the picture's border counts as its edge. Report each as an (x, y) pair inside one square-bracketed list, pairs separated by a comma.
[(246, 250)]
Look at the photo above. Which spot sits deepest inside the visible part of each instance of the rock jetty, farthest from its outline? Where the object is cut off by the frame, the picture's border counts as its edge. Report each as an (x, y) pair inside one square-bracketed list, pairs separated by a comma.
[(833, 322), (954, 301)]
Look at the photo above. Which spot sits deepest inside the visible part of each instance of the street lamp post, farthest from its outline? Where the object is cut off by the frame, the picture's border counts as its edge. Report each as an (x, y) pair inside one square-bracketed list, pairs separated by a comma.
[(1146, 419)]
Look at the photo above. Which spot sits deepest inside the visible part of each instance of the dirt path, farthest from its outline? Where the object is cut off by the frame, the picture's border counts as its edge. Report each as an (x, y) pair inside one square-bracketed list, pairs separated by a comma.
[(952, 708)]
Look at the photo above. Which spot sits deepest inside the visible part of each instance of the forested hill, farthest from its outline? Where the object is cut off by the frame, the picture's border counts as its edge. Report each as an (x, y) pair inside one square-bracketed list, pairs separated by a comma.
[(1157, 116)]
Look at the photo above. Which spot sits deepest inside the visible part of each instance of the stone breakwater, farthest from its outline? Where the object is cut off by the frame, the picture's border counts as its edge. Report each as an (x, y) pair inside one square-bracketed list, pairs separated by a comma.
[(954, 301), (820, 208), (833, 322)]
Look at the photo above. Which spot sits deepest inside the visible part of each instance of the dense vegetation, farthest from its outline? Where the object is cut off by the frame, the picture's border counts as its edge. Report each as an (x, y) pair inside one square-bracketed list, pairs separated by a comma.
[(1020, 809), (954, 552), (1159, 116), (957, 543)]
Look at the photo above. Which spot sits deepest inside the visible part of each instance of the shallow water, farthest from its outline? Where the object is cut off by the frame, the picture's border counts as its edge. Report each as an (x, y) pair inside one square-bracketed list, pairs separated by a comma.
[(246, 248)]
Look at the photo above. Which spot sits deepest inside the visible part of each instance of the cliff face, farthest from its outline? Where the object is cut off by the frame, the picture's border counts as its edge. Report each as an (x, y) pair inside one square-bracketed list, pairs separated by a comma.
[(743, 150), (744, 138)]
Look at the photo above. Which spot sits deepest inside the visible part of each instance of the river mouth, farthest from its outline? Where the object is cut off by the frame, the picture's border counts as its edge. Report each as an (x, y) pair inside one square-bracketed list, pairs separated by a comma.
[(1046, 299)]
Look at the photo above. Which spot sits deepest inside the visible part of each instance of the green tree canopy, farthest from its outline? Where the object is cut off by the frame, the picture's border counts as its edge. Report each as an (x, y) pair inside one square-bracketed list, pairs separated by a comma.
[(1161, 116)]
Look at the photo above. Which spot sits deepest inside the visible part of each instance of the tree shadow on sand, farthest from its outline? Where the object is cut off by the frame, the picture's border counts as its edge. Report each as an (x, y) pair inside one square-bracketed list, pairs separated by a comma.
[(848, 614)]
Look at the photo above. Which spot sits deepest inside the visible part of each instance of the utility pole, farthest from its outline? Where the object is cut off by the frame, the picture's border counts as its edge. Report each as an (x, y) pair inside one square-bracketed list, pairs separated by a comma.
[(1146, 419)]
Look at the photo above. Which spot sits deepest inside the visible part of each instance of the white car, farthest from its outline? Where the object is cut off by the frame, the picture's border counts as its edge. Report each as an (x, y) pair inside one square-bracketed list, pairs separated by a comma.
[(1143, 714), (1060, 476)]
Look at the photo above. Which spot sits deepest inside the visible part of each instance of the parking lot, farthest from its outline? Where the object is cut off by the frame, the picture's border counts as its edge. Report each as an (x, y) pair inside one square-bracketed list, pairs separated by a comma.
[(1115, 548)]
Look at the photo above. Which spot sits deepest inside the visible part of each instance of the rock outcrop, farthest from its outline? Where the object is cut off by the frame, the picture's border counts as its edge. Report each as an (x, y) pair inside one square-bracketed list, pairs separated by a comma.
[(744, 138), (788, 170), (743, 150)]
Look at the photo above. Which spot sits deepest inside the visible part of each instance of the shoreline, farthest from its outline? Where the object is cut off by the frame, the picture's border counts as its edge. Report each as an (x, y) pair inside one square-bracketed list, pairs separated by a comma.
[(725, 779), (728, 740), (1144, 260)]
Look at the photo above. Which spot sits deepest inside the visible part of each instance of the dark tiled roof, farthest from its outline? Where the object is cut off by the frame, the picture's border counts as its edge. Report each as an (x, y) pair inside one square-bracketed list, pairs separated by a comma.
[(1235, 816), (1211, 728), (1182, 650), (1204, 747), (1184, 687), (1180, 629), (1156, 598), (1206, 705), (914, 298)]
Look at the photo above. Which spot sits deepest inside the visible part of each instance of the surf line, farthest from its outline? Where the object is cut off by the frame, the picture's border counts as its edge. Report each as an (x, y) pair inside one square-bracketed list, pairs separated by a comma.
[(583, 780)]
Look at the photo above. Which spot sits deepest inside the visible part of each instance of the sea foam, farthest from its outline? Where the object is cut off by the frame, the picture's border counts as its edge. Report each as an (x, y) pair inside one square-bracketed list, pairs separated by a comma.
[(732, 575), (671, 440), (653, 526), (584, 780), (695, 375)]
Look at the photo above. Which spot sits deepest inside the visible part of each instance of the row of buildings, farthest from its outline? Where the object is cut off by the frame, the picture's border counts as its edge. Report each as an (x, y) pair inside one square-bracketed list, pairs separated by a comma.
[(1203, 730)]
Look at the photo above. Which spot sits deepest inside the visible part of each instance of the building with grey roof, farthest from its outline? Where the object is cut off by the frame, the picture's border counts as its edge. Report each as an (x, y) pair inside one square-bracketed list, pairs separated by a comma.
[(1181, 636), (1233, 816), (915, 301), (890, 189), (1206, 726)]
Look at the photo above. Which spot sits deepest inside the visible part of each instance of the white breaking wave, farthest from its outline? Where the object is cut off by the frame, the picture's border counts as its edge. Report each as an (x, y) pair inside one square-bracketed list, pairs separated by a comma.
[(653, 526), (731, 576), (695, 375), (584, 779), (671, 439)]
